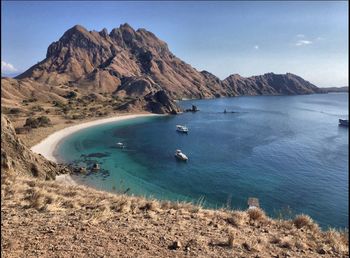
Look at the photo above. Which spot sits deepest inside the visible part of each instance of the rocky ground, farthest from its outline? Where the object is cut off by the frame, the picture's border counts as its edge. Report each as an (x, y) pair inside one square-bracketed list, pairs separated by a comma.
[(48, 219)]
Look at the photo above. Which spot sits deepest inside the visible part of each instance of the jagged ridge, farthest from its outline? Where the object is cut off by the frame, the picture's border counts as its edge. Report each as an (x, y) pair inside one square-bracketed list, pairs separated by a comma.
[(119, 62)]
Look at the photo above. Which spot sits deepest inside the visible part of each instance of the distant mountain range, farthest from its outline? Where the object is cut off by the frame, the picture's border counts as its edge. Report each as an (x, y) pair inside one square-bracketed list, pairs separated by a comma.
[(335, 89)]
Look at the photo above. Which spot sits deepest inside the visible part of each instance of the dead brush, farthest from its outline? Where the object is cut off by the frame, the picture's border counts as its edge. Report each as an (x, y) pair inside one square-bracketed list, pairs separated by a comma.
[(256, 214), (40, 199), (275, 240), (101, 215), (237, 218), (124, 206), (285, 243), (165, 205), (285, 224), (151, 206), (305, 221), (231, 238), (337, 240)]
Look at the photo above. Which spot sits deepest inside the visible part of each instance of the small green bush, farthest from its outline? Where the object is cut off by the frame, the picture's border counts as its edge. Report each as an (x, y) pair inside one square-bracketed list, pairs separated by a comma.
[(41, 121)]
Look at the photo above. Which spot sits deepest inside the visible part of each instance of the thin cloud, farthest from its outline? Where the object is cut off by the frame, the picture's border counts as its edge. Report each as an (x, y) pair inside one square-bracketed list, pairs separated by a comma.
[(303, 42), (300, 36), (7, 67)]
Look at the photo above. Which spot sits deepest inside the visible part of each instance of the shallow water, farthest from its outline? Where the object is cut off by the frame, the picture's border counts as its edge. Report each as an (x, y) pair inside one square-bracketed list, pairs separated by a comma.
[(288, 151)]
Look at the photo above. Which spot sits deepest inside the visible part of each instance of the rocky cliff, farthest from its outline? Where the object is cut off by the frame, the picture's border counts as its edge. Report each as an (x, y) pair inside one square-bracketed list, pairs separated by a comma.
[(16, 158)]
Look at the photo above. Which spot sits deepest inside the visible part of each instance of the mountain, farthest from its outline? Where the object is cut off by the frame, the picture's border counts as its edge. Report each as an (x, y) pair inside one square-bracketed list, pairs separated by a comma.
[(135, 63), (335, 89), (270, 84), (122, 62)]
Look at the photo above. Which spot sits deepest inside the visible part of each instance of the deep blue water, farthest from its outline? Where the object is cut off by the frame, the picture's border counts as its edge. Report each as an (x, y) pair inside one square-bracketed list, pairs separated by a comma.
[(288, 151)]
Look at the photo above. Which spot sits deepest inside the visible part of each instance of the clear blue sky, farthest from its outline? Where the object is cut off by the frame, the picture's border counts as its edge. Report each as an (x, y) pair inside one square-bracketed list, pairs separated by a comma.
[(306, 38)]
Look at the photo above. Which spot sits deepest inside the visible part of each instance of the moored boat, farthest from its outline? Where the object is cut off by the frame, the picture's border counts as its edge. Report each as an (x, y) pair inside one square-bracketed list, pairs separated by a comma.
[(182, 129), (120, 145), (180, 156)]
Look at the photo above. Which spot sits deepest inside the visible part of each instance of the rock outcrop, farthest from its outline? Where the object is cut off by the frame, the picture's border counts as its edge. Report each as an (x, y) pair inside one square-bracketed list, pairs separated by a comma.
[(158, 102), (16, 158)]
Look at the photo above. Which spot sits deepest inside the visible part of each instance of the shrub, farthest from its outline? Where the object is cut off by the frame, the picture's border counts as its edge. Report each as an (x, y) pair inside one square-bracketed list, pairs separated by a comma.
[(37, 108), (256, 214), (21, 130), (71, 95), (41, 121), (237, 219), (77, 116), (302, 221), (58, 104), (25, 101), (14, 111)]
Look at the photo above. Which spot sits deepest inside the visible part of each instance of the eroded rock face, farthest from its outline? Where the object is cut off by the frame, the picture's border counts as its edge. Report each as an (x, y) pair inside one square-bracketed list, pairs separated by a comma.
[(156, 102), (16, 158)]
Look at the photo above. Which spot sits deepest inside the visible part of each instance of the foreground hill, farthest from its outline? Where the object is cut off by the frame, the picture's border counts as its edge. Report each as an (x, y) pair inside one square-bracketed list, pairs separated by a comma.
[(18, 159), (128, 62), (48, 219)]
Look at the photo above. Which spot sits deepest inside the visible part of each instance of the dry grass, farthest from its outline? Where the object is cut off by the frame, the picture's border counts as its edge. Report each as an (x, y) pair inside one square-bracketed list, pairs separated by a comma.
[(304, 221), (231, 238), (286, 243), (237, 218), (256, 214), (151, 226)]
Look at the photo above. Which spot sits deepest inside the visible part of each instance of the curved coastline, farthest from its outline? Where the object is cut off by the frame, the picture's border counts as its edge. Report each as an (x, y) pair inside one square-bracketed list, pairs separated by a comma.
[(47, 146)]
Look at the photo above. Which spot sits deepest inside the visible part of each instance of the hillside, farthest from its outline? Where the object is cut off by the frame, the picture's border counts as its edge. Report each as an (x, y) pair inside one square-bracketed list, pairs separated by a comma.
[(18, 159), (270, 84), (128, 62), (335, 89), (47, 218)]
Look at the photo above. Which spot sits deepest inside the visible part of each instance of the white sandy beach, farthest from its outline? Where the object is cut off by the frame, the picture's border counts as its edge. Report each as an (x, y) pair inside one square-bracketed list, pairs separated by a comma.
[(47, 146)]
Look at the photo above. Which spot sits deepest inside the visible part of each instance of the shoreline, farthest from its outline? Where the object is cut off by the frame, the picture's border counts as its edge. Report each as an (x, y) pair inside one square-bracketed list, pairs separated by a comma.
[(48, 145)]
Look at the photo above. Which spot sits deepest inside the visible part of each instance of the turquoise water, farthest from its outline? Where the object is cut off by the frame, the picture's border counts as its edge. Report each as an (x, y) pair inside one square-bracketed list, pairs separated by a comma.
[(288, 151)]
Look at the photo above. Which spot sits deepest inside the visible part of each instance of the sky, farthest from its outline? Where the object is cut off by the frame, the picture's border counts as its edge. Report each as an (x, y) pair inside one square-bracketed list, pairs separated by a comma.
[(309, 39)]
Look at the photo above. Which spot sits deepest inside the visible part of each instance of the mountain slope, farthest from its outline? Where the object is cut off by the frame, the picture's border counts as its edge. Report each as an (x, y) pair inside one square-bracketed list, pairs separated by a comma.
[(270, 84), (102, 62), (18, 159), (128, 62)]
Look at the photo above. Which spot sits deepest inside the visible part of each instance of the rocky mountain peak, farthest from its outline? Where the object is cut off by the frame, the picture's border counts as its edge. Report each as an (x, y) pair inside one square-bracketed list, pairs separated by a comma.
[(118, 63)]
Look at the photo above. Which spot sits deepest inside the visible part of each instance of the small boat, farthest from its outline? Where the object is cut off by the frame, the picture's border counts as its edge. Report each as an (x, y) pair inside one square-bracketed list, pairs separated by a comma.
[(121, 145), (182, 129), (180, 156), (344, 122)]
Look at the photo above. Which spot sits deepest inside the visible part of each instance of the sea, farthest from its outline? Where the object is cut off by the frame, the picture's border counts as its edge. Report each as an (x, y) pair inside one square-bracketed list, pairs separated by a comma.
[(287, 151)]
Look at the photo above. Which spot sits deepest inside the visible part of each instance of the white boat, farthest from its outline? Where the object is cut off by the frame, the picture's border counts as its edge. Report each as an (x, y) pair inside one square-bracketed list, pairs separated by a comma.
[(179, 155), (182, 129), (120, 145)]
